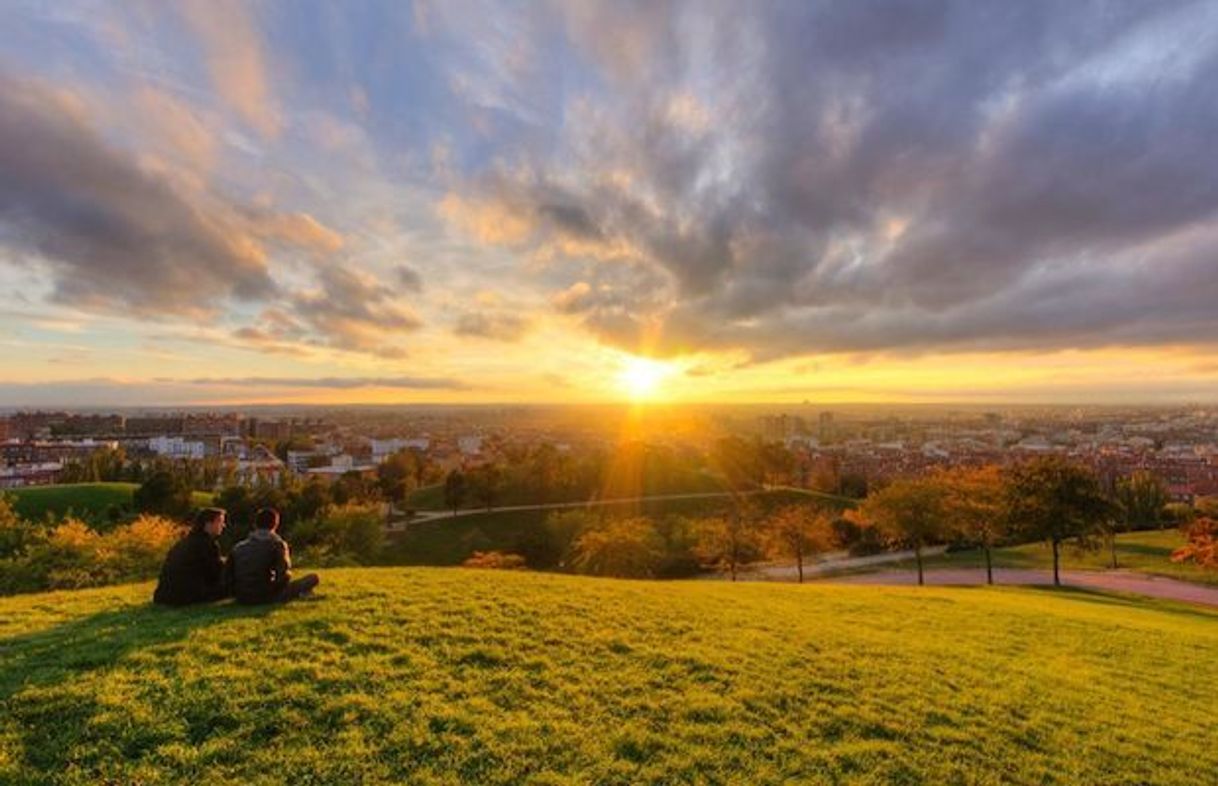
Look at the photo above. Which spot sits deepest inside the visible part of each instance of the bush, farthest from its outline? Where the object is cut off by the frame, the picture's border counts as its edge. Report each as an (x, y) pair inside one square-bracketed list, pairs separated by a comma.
[(343, 534), (495, 560), (73, 555)]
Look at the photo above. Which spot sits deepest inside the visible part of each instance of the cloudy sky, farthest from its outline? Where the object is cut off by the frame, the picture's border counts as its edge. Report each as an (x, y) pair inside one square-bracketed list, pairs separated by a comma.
[(219, 201)]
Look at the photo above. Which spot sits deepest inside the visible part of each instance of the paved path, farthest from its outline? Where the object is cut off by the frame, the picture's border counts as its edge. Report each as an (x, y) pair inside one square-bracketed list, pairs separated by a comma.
[(1112, 581), (830, 563)]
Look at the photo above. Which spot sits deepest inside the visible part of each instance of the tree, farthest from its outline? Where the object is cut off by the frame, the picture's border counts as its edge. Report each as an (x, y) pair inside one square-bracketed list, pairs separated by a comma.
[(973, 509), (627, 548), (397, 474), (1142, 496), (1054, 500), (485, 484), (798, 531), (454, 490), (908, 513), (1202, 546), (165, 493), (728, 541)]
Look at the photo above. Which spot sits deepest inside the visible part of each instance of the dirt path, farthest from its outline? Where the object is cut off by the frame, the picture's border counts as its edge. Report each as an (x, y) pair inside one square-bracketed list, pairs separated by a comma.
[(1114, 581)]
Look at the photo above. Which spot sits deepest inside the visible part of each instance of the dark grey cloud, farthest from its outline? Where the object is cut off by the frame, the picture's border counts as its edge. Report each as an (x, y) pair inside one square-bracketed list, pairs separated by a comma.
[(807, 177), (114, 233), (348, 310), (493, 325), (409, 278)]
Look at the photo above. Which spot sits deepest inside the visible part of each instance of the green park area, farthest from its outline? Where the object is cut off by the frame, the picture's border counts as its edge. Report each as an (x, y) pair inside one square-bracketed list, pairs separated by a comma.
[(91, 500), (453, 675), (450, 540)]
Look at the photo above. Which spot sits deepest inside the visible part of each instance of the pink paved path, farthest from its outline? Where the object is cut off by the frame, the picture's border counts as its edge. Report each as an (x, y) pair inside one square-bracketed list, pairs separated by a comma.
[(1116, 581)]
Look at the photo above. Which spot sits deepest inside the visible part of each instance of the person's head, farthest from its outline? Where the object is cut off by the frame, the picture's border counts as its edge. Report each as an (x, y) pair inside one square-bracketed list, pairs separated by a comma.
[(211, 521), (267, 518)]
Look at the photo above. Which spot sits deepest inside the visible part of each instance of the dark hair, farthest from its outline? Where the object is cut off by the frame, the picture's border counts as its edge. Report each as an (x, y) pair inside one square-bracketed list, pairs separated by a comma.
[(207, 515), (267, 518)]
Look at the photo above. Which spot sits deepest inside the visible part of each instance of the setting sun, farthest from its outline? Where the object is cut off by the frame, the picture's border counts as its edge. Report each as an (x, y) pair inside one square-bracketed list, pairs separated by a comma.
[(642, 378)]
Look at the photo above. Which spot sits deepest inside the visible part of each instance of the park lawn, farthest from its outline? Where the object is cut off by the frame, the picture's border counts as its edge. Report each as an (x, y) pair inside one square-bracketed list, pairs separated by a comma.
[(90, 500), (450, 541), (1144, 552), (447, 676), (432, 497)]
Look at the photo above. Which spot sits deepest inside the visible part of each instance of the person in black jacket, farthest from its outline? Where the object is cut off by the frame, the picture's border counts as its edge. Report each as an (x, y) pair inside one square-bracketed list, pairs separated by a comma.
[(261, 565), (194, 570)]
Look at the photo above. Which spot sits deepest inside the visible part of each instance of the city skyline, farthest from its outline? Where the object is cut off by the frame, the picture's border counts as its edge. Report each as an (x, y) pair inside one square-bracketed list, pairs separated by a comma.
[(218, 203)]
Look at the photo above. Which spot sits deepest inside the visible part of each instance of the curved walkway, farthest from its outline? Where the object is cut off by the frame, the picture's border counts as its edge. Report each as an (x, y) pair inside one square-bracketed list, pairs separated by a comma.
[(1109, 581)]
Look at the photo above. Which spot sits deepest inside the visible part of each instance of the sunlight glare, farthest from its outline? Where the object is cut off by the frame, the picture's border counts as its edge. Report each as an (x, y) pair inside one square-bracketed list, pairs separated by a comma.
[(641, 378)]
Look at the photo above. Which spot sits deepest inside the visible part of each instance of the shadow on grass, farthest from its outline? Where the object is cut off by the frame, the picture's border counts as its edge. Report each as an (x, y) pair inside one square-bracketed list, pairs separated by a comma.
[(101, 640), (1126, 600), (58, 722)]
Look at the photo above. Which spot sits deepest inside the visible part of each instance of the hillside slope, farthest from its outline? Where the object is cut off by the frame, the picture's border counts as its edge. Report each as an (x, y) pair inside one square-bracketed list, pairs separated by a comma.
[(449, 675)]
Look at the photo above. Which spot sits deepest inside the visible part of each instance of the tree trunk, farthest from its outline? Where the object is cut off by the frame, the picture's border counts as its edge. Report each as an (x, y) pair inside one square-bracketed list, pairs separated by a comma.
[(799, 563), (989, 566), (1112, 545), (1057, 578), (918, 557)]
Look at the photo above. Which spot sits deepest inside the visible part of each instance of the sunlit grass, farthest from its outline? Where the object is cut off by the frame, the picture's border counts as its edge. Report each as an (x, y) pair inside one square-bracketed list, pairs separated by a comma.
[(447, 676)]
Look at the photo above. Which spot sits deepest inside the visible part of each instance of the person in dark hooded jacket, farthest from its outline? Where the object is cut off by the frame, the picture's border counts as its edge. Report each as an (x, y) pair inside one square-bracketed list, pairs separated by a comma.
[(194, 570), (261, 565)]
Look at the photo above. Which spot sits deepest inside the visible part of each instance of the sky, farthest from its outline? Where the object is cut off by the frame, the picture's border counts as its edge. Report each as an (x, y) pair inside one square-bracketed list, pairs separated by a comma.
[(220, 202)]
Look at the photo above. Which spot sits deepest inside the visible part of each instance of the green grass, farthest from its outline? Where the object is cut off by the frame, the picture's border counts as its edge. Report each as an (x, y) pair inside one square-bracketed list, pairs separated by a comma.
[(432, 497), (455, 676), (1144, 552), (36, 502), (450, 541), (90, 500)]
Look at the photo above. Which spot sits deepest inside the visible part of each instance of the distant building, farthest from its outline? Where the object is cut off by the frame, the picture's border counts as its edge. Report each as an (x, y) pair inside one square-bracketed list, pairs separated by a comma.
[(177, 447), (272, 430), (384, 448), (825, 427), (470, 445), (40, 474), (155, 425)]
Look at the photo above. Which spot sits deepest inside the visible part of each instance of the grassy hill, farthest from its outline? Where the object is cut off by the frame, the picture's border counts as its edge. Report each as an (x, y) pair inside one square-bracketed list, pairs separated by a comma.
[(86, 499), (451, 676)]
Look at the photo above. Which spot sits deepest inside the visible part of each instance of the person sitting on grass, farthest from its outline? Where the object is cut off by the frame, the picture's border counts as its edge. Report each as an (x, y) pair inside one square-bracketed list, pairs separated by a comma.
[(194, 569), (261, 565)]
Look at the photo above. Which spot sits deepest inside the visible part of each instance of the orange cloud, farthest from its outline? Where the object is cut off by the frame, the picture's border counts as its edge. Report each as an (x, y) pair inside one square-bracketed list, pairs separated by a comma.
[(234, 59)]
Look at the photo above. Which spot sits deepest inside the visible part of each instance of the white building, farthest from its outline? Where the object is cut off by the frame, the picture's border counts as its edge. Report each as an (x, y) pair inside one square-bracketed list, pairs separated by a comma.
[(176, 447), (384, 448), (469, 446)]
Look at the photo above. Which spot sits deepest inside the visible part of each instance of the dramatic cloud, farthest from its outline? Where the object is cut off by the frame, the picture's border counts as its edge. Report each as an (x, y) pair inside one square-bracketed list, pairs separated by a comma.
[(352, 311), (843, 177), (111, 230)]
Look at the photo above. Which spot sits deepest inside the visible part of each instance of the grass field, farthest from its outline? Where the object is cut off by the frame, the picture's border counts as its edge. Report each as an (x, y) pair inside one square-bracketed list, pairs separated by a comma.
[(432, 497), (83, 499), (446, 541), (454, 676), (1144, 552)]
